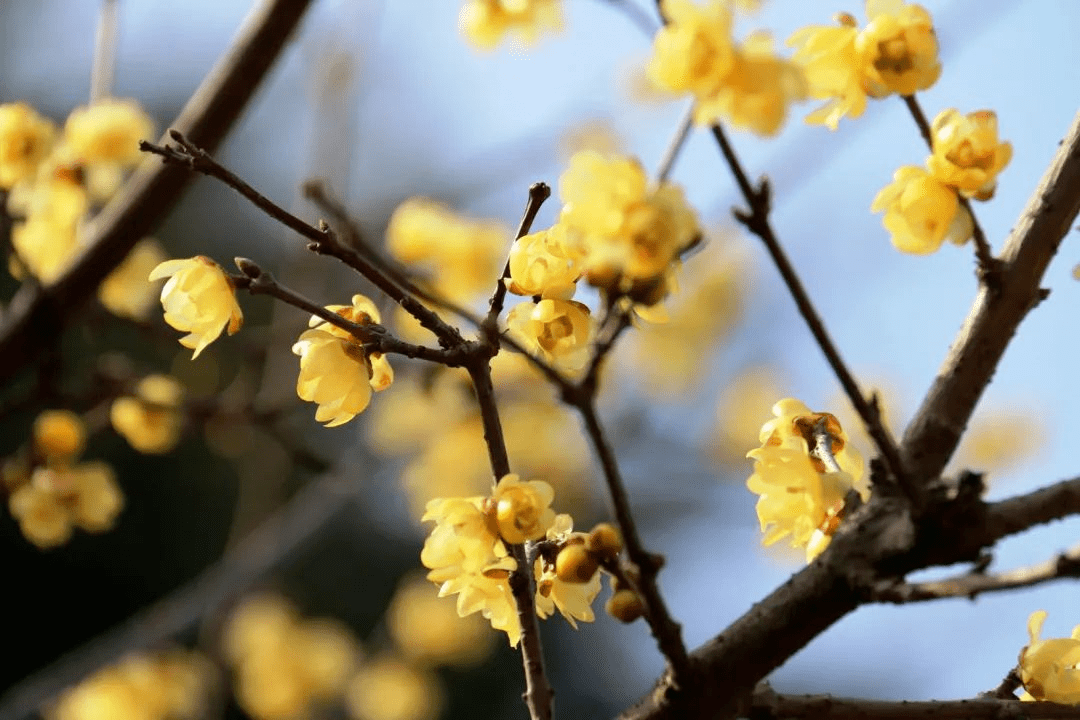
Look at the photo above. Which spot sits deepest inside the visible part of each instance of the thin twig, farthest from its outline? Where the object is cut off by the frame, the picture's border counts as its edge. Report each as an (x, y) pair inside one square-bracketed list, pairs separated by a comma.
[(538, 693), (678, 141), (635, 14), (323, 240), (104, 67), (989, 266), (538, 193), (757, 222), (1006, 689), (971, 585), (35, 316)]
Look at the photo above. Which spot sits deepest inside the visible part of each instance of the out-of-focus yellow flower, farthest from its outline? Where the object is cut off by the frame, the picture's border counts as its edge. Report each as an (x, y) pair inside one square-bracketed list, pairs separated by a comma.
[(541, 264), (744, 399), (170, 685), (898, 49), (598, 135), (126, 292), (59, 436), (335, 372), (559, 331), (283, 663), (623, 230), (694, 51), (25, 140), (151, 420), (486, 22), (799, 495), (832, 69), (108, 131), (1050, 669), (199, 300), (998, 441), (59, 498), (429, 631), (42, 248), (386, 688), (523, 509), (757, 91), (967, 154), (463, 256), (922, 212)]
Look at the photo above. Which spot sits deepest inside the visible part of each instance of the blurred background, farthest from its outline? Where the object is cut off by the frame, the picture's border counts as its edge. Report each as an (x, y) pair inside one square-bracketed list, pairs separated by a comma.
[(384, 101)]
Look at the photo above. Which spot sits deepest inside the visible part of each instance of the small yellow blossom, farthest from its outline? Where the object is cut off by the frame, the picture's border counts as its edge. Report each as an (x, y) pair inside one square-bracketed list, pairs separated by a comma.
[(921, 212), (832, 70), (151, 420), (486, 22), (542, 264), (429, 631), (463, 256), (43, 520), (523, 509), (169, 685), (386, 688), (198, 299), (967, 154), (693, 52), (1050, 669), (898, 49), (335, 372), (572, 599), (108, 131), (59, 436), (559, 331), (25, 140), (57, 499), (126, 292)]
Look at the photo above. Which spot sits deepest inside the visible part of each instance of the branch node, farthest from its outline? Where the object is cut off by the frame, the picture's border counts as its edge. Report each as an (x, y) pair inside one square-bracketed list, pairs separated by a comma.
[(248, 267)]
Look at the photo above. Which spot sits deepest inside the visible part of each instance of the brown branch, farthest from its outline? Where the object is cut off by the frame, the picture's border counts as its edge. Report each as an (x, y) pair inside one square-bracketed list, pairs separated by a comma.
[(933, 434), (538, 193), (323, 240), (768, 705), (1006, 689), (757, 222), (32, 319), (971, 585), (988, 264), (278, 541), (678, 141)]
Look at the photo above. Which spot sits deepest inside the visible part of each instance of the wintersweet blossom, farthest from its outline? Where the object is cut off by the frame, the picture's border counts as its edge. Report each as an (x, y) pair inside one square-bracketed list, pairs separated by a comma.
[(428, 631), (108, 131), (693, 52), (198, 299), (59, 436), (922, 212), (967, 154), (832, 70), (386, 688), (126, 292), (898, 49), (25, 140), (1050, 669), (486, 22), (559, 331), (572, 599), (150, 420), (523, 509), (58, 499), (543, 264)]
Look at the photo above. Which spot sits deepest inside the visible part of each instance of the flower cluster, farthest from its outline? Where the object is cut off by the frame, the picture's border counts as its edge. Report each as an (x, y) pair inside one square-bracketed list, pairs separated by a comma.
[(1050, 669), (55, 177), (168, 685), (922, 207), (801, 495), (336, 373), (486, 22), (468, 555), (150, 420), (897, 52), (51, 493), (747, 85), (199, 299)]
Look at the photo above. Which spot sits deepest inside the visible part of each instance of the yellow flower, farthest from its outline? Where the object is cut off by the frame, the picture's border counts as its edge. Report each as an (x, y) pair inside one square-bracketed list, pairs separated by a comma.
[(42, 248), (1050, 669), (335, 372), (108, 131), (921, 212), (150, 421), (485, 22), (25, 141), (559, 331), (693, 52), (756, 92), (967, 154), (198, 299), (463, 256), (58, 499), (59, 435), (523, 509), (43, 520), (126, 292), (572, 599), (898, 49), (386, 688), (832, 70), (541, 264), (428, 630)]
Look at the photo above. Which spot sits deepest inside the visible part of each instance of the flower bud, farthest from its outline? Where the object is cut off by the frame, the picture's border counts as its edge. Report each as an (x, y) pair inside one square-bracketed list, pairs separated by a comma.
[(575, 564), (625, 606), (604, 540)]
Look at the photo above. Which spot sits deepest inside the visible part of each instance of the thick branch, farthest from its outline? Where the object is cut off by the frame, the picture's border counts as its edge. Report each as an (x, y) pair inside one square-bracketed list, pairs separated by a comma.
[(934, 433), (32, 319)]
